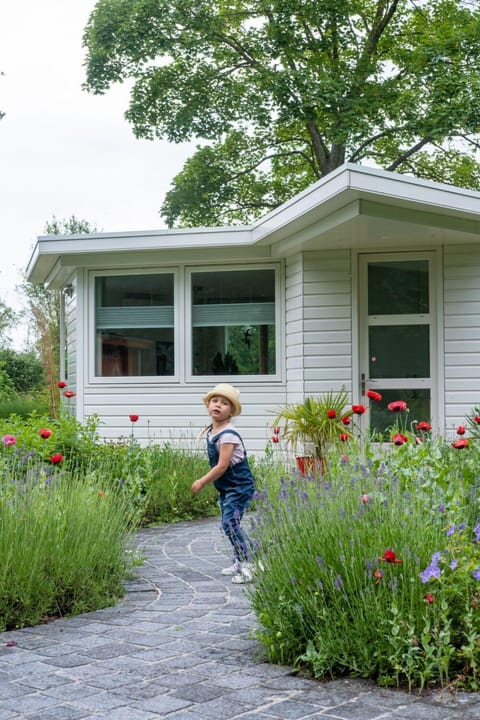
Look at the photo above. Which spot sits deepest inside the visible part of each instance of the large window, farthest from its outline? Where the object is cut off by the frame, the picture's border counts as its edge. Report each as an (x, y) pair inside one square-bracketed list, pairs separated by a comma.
[(134, 325), (233, 322)]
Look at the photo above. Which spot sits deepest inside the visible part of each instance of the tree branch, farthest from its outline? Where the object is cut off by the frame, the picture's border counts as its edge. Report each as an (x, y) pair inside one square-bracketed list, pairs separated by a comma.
[(402, 158)]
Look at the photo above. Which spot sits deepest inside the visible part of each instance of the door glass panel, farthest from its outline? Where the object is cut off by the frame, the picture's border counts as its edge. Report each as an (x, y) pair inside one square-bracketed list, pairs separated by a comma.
[(399, 351), (398, 288), (381, 418)]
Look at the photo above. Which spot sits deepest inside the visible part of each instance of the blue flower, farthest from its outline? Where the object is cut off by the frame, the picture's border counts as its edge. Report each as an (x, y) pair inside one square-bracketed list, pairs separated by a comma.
[(476, 574)]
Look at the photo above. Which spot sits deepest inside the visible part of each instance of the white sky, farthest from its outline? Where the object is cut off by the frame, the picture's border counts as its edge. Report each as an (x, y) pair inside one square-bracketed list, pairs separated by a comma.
[(64, 152)]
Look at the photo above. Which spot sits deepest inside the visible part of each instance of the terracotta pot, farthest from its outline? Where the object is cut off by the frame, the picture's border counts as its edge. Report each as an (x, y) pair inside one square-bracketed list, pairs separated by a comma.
[(310, 465)]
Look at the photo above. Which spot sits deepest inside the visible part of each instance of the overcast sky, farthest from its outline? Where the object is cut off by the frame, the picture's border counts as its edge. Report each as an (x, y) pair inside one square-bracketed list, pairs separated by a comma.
[(64, 152)]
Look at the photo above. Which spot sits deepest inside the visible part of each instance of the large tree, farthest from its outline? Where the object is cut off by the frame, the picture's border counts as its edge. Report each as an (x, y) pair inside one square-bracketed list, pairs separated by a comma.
[(279, 93)]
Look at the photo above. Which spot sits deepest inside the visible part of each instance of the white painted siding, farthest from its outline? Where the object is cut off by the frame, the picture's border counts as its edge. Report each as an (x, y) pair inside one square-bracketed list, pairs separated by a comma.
[(176, 415), (327, 324), (294, 318), (462, 333)]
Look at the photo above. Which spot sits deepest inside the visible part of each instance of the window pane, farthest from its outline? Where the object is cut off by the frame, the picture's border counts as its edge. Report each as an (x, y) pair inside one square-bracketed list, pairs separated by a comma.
[(398, 288), (399, 351), (134, 325), (233, 318), (418, 404)]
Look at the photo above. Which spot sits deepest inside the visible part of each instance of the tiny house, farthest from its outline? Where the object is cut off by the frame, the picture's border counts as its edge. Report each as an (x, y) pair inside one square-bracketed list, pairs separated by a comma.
[(366, 279)]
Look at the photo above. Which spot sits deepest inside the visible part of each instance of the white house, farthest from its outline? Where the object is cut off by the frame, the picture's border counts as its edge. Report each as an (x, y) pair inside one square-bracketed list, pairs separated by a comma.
[(367, 279)]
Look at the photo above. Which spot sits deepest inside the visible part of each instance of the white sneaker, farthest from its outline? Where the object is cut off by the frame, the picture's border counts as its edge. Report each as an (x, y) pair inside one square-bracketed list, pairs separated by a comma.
[(245, 575), (233, 569)]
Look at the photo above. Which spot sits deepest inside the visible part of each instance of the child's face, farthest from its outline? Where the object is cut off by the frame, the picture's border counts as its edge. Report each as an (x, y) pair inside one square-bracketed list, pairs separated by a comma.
[(219, 408)]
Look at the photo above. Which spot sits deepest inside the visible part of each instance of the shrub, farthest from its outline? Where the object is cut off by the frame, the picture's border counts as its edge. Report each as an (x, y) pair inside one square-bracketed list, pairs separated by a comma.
[(342, 586)]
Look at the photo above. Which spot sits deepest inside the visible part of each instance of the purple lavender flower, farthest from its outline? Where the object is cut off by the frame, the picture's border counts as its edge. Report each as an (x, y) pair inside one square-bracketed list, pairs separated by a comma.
[(338, 582), (476, 532), (432, 572), (476, 574), (454, 564)]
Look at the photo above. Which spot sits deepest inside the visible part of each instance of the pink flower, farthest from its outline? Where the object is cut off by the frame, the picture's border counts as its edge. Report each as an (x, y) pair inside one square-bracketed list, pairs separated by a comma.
[(373, 395), (133, 418), (358, 409), (44, 433), (399, 439), (397, 406), (56, 458), (9, 440), (61, 384), (365, 498), (429, 598)]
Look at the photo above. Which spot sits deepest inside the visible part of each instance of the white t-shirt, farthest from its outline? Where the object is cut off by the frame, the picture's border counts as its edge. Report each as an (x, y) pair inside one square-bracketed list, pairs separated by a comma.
[(231, 438)]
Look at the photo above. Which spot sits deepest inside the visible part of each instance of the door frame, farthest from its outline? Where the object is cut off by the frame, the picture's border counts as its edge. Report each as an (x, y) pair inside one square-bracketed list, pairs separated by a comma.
[(360, 330)]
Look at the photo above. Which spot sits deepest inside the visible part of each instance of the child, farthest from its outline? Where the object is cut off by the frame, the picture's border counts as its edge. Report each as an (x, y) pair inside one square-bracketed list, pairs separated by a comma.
[(230, 473)]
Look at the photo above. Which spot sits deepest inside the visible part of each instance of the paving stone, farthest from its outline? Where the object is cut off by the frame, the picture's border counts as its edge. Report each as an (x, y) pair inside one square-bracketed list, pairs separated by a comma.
[(184, 652)]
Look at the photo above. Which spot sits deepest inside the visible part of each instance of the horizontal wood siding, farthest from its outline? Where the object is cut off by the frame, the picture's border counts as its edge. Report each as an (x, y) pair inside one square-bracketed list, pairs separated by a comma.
[(294, 318), (461, 333), (176, 415), (327, 301), (71, 339)]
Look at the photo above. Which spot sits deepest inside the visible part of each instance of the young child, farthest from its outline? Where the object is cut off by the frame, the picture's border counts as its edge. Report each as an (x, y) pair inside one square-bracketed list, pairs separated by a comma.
[(230, 473)]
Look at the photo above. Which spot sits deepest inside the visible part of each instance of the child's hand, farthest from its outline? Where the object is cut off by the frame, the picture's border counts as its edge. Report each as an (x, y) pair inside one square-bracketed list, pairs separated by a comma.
[(197, 486)]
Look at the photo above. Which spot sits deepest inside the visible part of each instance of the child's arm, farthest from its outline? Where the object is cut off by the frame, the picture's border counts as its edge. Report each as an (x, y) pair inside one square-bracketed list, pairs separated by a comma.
[(225, 456)]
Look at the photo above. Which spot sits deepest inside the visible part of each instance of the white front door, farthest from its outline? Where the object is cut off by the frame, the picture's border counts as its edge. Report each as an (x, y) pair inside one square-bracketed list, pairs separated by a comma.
[(397, 335)]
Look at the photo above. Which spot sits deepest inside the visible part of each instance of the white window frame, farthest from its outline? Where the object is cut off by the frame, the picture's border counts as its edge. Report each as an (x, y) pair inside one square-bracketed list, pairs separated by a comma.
[(279, 340), (133, 379)]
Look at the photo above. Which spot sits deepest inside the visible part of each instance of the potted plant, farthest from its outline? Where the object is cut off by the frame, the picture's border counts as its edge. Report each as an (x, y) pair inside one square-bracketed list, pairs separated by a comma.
[(313, 425)]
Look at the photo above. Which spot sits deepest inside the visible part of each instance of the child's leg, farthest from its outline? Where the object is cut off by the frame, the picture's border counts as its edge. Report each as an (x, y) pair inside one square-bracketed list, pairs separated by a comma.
[(233, 506)]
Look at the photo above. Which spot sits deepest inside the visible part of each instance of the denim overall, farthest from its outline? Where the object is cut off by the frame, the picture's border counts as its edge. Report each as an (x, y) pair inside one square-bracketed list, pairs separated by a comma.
[(235, 489)]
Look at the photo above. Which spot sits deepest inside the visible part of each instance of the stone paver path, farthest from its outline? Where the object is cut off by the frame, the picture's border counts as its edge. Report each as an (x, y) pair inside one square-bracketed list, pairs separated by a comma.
[(179, 646)]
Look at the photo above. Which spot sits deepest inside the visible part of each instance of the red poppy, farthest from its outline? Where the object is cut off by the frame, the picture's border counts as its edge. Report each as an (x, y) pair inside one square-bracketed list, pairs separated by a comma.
[(344, 437), (275, 438), (460, 444), (44, 433), (56, 458), (399, 439), (477, 419), (461, 430), (358, 409), (373, 395), (422, 425), (133, 418), (276, 430), (429, 598), (331, 414), (61, 384), (397, 406), (69, 393), (390, 556), (346, 420)]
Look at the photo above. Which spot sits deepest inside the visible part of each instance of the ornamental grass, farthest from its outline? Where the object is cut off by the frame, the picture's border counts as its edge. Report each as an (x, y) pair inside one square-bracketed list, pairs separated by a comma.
[(373, 569)]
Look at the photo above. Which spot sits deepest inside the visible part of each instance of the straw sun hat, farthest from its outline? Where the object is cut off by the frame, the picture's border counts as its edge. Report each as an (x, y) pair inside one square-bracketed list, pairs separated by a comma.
[(227, 391)]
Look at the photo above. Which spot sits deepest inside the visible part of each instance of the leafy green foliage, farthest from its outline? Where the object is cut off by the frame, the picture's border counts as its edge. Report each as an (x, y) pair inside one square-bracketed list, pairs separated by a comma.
[(282, 93), (374, 571)]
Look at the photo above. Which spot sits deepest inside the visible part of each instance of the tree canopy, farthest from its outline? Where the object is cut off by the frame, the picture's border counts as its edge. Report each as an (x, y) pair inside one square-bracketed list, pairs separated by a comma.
[(279, 93)]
